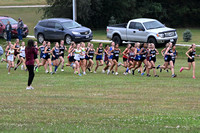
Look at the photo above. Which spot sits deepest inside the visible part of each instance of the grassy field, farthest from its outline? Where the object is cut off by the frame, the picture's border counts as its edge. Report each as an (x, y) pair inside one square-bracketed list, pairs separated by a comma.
[(22, 2), (65, 102)]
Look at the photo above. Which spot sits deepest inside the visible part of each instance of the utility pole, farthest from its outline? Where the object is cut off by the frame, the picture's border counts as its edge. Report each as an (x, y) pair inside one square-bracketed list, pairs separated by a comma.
[(74, 11)]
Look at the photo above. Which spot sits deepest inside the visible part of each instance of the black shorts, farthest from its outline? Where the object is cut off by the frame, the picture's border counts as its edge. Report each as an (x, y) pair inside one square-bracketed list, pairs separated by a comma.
[(82, 58), (115, 58), (191, 60), (16, 53), (86, 57), (62, 55), (173, 62), (46, 57), (143, 58), (125, 59), (35, 56), (152, 59), (168, 58), (71, 59), (21, 57), (91, 58), (54, 58)]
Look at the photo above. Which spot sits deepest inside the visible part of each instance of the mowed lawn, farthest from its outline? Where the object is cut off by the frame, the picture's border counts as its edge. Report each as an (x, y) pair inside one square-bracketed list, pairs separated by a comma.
[(65, 102)]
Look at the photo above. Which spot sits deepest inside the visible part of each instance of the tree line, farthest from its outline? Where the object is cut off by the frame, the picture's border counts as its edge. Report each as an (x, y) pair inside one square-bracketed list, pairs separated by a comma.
[(98, 13)]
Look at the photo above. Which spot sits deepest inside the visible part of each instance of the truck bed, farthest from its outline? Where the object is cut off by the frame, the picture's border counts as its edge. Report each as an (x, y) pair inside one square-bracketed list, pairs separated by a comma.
[(123, 25)]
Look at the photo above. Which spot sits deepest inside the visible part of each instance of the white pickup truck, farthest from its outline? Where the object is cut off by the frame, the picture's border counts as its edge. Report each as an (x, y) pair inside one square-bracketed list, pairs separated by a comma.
[(142, 30)]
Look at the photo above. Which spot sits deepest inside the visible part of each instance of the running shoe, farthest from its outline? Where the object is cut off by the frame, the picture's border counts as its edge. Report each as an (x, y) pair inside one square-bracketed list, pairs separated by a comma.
[(160, 70), (95, 72), (158, 67), (148, 75), (194, 77), (80, 75), (28, 88), (62, 70), (116, 73), (113, 72), (119, 64), (125, 73), (8, 73), (142, 74), (103, 71), (46, 71), (174, 75), (156, 75), (32, 87), (37, 70), (1, 60), (139, 71), (181, 69), (84, 73), (108, 72), (167, 70), (133, 72)]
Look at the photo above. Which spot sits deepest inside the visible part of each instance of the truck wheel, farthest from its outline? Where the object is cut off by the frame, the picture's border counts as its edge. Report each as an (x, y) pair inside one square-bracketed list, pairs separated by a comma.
[(152, 40), (117, 40), (40, 38), (68, 39)]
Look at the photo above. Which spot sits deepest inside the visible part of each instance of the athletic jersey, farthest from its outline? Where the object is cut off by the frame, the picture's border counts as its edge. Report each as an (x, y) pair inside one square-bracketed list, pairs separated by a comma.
[(153, 53), (77, 54), (83, 52), (174, 55), (131, 55), (42, 48), (100, 51), (144, 54), (110, 49), (22, 51), (62, 50), (138, 56), (15, 51), (116, 53), (48, 49), (124, 56), (91, 53), (105, 58), (11, 55), (192, 54), (56, 51)]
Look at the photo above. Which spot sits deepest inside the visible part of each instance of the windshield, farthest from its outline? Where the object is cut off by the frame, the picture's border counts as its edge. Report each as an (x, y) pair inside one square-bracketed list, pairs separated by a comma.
[(71, 25), (153, 25), (12, 21)]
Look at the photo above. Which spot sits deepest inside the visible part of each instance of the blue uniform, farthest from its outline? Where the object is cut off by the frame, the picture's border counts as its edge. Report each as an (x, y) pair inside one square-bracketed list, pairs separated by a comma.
[(56, 53), (100, 51), (42, 51), (138, 57), (46, 56), (111, 56)]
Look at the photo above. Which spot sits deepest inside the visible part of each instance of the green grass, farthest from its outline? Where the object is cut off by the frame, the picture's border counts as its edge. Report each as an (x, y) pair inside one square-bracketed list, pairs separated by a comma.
[(22, 2), (65, 102)]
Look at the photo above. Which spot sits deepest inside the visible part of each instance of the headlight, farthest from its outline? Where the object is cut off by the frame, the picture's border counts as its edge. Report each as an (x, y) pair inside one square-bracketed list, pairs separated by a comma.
[(161, 35), (75, 33)]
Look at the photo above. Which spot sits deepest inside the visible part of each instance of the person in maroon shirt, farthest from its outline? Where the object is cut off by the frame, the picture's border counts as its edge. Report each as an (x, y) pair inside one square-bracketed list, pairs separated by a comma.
[(30, 53)]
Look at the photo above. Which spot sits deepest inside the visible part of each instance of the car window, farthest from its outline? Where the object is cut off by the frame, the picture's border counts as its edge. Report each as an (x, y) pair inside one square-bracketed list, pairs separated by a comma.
[(51, 24), (44, 24), (12, 21), (132, 25), (138, 26), (58, 26)]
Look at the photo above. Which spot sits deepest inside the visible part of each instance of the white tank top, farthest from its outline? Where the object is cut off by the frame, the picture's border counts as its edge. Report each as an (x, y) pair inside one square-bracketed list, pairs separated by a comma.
[(22, 51)]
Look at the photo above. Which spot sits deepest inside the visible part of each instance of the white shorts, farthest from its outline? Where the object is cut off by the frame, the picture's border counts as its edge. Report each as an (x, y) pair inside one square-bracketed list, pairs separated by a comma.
[(10, 58)]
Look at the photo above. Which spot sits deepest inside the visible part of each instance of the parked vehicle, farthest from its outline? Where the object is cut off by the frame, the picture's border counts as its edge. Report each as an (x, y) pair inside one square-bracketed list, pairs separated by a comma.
[(62, 29), (142, 30), (3, 23)]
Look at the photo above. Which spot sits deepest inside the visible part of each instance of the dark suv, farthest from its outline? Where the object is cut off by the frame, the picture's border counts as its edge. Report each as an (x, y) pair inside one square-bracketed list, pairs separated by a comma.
[(3, 22), (62, 29)]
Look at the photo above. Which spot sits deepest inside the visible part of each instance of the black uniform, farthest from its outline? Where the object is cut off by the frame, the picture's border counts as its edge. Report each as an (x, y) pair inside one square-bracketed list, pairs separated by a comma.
[(153, 55), (62, 50), (91, 54), (144, 55), (192, 54), (56, 53), (116, 54), (46, 56), (168, 58)]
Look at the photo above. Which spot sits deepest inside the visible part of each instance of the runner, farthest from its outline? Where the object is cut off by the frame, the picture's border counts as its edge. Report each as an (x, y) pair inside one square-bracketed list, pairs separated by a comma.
[(90, 55), (99, 59), (10, 58), (62, 54), (21, 52), (55, 56), (191, 53)]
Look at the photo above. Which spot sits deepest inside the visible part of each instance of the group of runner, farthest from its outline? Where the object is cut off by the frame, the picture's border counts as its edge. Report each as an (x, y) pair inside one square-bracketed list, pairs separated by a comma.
[(81, 57)]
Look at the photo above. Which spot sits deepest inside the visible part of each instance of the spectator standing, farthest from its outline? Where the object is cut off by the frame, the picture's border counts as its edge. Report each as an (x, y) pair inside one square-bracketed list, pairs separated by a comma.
[(30, 53), (8, 30), (20, 27)]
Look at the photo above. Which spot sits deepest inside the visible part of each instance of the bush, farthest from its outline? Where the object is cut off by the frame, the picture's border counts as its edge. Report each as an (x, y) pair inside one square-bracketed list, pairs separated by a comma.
[(112, 21), (187, 35)]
